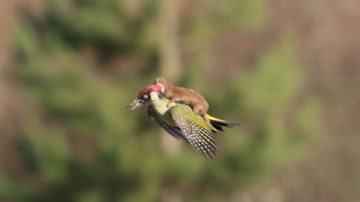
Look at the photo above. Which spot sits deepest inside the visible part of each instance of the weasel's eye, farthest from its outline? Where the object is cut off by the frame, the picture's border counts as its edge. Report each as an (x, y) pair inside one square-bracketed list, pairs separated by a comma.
[(146, 97)]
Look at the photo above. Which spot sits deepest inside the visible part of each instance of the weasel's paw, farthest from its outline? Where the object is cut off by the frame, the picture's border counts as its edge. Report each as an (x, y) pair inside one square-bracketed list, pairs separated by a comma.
[(169, 103)]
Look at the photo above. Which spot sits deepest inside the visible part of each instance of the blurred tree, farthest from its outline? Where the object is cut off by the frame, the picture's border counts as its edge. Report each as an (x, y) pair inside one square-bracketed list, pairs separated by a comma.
[(80, 146), (169, 52)]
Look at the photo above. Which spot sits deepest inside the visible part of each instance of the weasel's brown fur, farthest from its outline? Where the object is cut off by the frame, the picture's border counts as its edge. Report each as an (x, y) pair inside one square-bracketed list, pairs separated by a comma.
[(186, 96)]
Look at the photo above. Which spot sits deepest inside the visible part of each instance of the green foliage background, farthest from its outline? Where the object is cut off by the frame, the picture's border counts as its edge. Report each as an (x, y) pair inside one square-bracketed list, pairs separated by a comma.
[(81, 145)]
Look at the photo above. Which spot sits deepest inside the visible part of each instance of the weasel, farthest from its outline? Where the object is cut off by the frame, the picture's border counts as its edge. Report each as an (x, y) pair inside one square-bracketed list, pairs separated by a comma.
[(186, 96)]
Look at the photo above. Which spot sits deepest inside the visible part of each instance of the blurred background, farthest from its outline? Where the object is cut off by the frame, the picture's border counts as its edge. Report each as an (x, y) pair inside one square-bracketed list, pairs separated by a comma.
[(287, 70)]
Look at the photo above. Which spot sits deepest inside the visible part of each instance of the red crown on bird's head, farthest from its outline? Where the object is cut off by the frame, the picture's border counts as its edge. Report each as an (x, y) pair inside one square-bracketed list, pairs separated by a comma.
[(148, 89)]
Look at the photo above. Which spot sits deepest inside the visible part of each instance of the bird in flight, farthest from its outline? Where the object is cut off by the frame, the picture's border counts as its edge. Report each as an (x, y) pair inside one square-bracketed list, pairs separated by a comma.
[(179, 120)]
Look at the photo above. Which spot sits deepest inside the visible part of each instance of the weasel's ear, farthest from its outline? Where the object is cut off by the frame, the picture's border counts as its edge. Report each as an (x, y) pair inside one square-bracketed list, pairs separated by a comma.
[(162, 88)]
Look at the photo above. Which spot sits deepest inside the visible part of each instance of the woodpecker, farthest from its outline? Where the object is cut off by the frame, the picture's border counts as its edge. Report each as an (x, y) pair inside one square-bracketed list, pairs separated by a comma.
[(185, 96), (180, 121)]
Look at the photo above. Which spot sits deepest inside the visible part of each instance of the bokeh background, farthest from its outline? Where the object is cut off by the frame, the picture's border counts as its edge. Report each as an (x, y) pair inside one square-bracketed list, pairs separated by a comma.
[(287, 70)]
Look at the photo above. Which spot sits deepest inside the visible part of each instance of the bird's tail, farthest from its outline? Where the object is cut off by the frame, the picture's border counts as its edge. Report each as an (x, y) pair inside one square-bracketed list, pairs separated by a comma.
[(219, 123)]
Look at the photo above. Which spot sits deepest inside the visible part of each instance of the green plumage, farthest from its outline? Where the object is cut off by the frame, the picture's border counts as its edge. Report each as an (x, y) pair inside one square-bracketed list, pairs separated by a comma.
[(180, 121)]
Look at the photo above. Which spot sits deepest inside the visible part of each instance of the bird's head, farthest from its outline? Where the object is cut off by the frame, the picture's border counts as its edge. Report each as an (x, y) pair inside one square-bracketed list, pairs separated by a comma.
[(144, 96)]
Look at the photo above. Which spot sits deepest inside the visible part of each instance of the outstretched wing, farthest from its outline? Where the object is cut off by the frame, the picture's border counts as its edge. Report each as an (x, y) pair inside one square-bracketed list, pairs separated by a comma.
[(201, 139), (174, 131)]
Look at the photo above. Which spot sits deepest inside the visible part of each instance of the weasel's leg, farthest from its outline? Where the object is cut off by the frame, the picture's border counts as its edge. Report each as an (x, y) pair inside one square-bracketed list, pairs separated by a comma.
[(172, 100), (209, 123), (201, 113)]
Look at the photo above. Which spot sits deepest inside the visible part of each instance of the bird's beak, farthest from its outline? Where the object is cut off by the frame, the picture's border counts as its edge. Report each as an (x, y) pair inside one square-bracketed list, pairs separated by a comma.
[(136, 103)]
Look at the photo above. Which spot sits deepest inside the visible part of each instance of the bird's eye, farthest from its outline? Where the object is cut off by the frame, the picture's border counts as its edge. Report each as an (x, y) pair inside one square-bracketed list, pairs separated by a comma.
[(146, 97)]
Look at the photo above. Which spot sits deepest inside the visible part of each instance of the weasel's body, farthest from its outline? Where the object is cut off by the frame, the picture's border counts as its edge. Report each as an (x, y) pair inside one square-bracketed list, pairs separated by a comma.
[(186, 96)]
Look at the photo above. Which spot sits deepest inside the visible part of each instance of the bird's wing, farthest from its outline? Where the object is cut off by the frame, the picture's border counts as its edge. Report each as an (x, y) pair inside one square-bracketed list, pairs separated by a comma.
[(201, 139), (175, 132)]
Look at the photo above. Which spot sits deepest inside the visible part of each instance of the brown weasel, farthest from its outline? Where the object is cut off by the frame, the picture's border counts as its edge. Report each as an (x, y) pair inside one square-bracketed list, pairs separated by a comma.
[(186, 96)]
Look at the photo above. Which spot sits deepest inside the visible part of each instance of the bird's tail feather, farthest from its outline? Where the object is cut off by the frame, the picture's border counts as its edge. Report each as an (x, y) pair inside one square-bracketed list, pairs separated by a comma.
[(219, 123)]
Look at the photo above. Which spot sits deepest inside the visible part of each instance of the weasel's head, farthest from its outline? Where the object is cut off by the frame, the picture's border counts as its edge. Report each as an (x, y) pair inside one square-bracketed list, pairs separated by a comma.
[(163, 83), (144, 96)]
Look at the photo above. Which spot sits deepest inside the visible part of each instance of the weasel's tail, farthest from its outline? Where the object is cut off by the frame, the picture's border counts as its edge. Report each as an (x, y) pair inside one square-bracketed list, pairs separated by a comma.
[(219, 123)]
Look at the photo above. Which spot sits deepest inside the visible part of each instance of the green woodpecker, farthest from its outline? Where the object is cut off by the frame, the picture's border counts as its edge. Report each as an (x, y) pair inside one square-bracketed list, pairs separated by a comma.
[(180, 120)]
